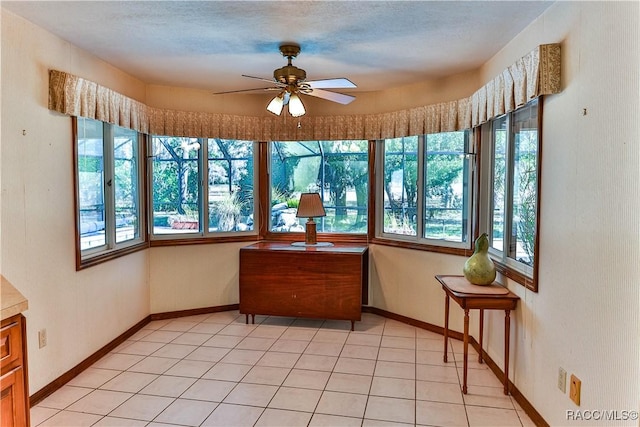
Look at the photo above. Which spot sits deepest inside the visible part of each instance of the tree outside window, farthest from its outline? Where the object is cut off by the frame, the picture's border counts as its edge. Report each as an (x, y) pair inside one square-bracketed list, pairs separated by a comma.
[(337, 170), (426, 188)]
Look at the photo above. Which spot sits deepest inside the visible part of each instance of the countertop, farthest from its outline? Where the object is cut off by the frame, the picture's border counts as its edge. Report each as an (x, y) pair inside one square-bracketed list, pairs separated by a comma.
[(12, 301)]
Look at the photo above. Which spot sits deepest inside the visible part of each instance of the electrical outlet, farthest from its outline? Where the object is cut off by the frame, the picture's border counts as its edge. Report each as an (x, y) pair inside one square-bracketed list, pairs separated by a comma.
[(562, 380), (574, 389), (42, 338)]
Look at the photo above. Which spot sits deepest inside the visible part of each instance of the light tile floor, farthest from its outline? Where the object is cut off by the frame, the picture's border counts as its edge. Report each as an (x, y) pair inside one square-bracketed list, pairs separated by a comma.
[(213, 370)]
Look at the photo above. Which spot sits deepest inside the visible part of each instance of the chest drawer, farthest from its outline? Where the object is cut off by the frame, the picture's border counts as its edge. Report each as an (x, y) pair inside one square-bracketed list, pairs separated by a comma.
[(10, 344)]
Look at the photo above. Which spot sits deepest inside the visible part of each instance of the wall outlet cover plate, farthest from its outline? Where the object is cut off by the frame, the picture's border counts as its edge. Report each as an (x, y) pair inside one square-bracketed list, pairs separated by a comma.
[(574, 389)]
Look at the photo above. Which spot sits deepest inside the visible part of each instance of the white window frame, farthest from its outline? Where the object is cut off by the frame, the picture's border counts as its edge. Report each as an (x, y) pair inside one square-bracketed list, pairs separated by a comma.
[(487, 196), (420, 204), (110, 245), (203, 199)]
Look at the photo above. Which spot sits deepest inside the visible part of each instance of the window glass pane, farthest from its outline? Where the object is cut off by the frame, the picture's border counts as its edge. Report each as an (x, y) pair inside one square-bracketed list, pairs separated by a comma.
[(338, 170), (125, 156), (525, 166), (499, 174), (446, 187), (230, 165), (91, 196), (176, 186), (400, 185)]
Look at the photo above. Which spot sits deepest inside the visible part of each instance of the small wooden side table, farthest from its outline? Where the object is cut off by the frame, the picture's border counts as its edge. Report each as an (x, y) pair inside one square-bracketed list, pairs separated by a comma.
[(468, 297)]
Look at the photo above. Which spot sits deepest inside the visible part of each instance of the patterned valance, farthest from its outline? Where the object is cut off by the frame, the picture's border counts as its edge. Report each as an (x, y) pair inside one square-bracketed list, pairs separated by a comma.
[(535, 74)]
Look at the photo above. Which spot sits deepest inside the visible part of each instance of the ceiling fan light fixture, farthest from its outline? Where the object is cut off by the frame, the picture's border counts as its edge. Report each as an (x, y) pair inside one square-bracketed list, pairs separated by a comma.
[(296, 108), (276, 104)]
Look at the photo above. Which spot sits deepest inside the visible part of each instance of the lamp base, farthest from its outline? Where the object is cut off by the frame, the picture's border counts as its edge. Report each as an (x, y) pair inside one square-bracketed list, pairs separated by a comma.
[(310, 236), (310, 232), (314, 245)]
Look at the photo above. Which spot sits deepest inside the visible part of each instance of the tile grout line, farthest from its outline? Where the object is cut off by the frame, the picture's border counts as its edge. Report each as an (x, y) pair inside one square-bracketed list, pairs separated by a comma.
[(341, 354)]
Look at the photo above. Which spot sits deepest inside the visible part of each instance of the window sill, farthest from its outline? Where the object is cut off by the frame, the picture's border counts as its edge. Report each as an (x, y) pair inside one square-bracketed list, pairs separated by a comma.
[(421, 247), (516, 276), (81, 263), (203, 240)]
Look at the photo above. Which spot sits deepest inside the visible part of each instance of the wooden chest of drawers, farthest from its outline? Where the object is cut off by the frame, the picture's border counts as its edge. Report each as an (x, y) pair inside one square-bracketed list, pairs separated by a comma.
[(318, 282)]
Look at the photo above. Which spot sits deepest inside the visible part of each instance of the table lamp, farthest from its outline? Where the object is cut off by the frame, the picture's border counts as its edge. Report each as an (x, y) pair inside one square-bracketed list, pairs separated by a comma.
[(310, 206)]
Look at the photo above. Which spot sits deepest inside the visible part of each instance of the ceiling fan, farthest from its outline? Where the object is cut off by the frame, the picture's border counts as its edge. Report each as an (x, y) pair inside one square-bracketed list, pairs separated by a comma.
[(290, 81)]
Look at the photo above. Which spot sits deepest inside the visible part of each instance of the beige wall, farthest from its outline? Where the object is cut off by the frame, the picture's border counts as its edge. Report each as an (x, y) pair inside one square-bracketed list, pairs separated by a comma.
[(184, 277), (585, 317), (81, 311), (425, 93)]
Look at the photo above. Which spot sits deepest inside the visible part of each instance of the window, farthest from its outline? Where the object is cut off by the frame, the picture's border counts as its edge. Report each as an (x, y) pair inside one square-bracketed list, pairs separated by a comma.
[(425, 189), (338, 170), (230, 185), (201, 187), (109, 179), (511, 208)]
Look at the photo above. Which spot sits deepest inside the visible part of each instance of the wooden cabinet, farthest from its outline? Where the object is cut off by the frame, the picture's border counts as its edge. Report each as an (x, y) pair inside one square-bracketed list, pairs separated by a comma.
[(317, 282), (13, 378)]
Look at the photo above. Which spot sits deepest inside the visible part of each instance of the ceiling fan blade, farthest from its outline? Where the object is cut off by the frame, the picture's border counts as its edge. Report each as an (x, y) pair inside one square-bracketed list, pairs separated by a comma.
[(331, 96), (247, 90), (340, 83), (273, 81)]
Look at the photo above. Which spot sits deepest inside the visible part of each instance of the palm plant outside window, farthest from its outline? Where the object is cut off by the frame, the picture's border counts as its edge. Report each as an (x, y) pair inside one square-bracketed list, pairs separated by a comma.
[(202, 186)]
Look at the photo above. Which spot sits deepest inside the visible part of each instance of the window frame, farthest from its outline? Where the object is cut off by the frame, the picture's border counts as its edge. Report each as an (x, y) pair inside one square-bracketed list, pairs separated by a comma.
[(291, 236), (203, 234), (478, 191), (418, 241), (342, 236), (111, 249), (515, 270)]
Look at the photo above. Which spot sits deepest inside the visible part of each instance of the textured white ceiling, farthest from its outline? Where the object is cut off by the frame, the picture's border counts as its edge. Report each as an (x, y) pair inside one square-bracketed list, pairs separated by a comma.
[(210, 44)]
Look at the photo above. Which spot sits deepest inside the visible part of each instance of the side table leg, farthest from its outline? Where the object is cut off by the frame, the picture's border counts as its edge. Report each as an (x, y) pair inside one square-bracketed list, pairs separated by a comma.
[(253, 319), (352, 324), (465, 357), (481, 333), (446, 326), (507, 323), (246, 318)]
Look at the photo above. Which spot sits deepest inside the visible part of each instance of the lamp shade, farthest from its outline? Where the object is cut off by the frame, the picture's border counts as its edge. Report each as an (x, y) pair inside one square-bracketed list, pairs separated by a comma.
[(296, 109), (310, 206), (276, 104)]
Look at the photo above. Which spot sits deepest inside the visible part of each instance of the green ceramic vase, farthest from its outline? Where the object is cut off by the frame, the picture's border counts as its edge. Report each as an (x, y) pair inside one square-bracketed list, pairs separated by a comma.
[(479, 268)]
